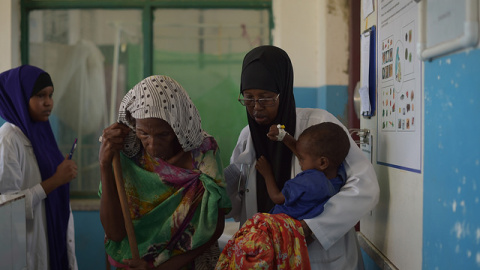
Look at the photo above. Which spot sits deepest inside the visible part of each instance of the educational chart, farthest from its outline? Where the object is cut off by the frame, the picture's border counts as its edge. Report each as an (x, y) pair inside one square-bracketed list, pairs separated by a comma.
[(399, 86)]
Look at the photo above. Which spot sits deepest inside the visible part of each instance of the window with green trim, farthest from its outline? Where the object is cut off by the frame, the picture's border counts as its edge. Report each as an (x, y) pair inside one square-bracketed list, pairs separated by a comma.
[(96, 51)]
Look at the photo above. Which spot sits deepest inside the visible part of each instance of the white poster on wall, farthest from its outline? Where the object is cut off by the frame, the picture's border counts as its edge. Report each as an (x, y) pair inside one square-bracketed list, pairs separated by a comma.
[(399, 93)]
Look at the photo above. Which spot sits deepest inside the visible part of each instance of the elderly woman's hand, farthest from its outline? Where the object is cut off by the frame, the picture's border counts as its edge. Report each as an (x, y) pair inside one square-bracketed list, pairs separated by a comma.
[(112, 142), (137, 264)]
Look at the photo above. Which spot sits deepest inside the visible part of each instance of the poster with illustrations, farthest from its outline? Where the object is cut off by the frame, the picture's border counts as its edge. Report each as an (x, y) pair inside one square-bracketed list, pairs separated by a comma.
[(399, 86)]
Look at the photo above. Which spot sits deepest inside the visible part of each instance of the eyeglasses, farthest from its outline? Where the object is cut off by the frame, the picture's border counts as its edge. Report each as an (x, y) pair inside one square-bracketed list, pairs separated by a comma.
[(264, 102)]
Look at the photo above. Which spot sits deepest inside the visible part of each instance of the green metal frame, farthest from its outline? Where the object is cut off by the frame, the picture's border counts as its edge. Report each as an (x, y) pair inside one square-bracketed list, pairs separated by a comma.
[(147, 7)]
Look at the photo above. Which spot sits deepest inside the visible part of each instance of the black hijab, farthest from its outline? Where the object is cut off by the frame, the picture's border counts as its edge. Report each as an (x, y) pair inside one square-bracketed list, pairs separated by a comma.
[(269, 68)]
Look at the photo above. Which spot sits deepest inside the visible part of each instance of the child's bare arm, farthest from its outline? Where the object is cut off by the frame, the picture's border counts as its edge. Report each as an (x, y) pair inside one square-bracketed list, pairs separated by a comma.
[(288, 139), (291, 143), (263, 166)]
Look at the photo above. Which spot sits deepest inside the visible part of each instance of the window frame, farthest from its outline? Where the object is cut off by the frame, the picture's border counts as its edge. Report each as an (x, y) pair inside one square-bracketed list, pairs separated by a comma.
[(147, 7)]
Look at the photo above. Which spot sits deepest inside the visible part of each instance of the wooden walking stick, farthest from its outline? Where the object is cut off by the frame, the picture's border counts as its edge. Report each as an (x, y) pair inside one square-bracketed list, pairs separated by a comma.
[(117, 170)]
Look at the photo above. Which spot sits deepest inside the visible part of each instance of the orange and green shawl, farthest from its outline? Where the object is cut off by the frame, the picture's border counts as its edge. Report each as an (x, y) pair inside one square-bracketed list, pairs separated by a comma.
[(173, 210), (266, 241)]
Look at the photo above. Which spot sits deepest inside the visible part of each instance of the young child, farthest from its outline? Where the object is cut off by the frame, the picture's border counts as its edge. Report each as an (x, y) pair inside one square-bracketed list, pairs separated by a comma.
[(321, 150)]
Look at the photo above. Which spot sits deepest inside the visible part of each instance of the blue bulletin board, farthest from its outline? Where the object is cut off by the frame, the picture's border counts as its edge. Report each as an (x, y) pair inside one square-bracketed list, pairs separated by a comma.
[(371, 76), (372, 72)]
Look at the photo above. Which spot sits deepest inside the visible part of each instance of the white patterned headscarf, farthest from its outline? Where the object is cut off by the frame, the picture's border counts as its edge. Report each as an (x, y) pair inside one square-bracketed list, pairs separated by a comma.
[(161, 97)]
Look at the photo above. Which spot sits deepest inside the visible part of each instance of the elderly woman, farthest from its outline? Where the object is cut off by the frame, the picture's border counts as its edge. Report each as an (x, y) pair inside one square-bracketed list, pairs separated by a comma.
[(173, 181)]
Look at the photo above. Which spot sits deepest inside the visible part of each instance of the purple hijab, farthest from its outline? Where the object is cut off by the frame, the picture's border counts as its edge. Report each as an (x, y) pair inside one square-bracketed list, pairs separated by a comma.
[(16, 87)]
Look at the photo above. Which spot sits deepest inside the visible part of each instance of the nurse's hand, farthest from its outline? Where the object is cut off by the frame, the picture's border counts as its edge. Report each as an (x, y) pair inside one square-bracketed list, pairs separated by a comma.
[(307, 232), (65, 172)]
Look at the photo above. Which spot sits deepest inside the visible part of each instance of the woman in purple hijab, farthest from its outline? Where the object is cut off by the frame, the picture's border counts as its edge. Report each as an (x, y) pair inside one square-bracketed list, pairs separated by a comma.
[(32, 164)]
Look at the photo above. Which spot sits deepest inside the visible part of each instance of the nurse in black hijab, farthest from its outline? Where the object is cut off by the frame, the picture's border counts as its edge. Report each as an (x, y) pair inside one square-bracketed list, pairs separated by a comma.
[(267, 93)]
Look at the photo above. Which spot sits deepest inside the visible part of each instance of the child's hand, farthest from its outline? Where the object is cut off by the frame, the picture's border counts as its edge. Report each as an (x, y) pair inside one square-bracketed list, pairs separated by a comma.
[(263, 166), (273, 132)]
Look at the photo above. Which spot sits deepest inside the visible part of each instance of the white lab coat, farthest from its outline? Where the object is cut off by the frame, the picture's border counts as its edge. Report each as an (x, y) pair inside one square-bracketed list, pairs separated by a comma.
[(336, 245), (19, 174)]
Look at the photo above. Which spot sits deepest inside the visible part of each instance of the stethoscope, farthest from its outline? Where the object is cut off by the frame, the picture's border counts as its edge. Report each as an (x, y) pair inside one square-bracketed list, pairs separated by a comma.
[(241, 188)]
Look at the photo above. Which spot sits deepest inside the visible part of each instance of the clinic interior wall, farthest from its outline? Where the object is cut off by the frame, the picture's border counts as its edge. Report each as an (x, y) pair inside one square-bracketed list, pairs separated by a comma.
[(451, 221), (332, 98), (394, 227), (308, 32), (5, 43), (315, 35), (430, 220), (10, 22), (89, 238)]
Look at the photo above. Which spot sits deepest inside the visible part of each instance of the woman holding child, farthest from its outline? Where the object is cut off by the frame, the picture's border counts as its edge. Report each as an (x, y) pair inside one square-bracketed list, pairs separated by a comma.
[(267, 93)]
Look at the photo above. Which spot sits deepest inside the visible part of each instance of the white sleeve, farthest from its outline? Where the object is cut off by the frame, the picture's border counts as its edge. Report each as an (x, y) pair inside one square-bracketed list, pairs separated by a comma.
[(356, 198), (241, 145), (232, 176), (33, 196), (13, 175), (72, 259)]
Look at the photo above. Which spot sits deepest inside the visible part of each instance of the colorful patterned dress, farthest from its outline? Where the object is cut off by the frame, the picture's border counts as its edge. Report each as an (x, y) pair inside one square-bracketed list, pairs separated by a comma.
[(173, 210), (266, 241)]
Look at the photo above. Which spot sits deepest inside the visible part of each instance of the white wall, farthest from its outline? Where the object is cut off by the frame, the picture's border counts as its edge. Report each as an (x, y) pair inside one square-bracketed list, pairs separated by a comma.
[(10, 33), (395, 225), (315, 35), (336, 38)]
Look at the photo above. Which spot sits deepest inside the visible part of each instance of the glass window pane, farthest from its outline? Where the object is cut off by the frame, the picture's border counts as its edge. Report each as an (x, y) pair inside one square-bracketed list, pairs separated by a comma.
[(94, 57), (203, 50)]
